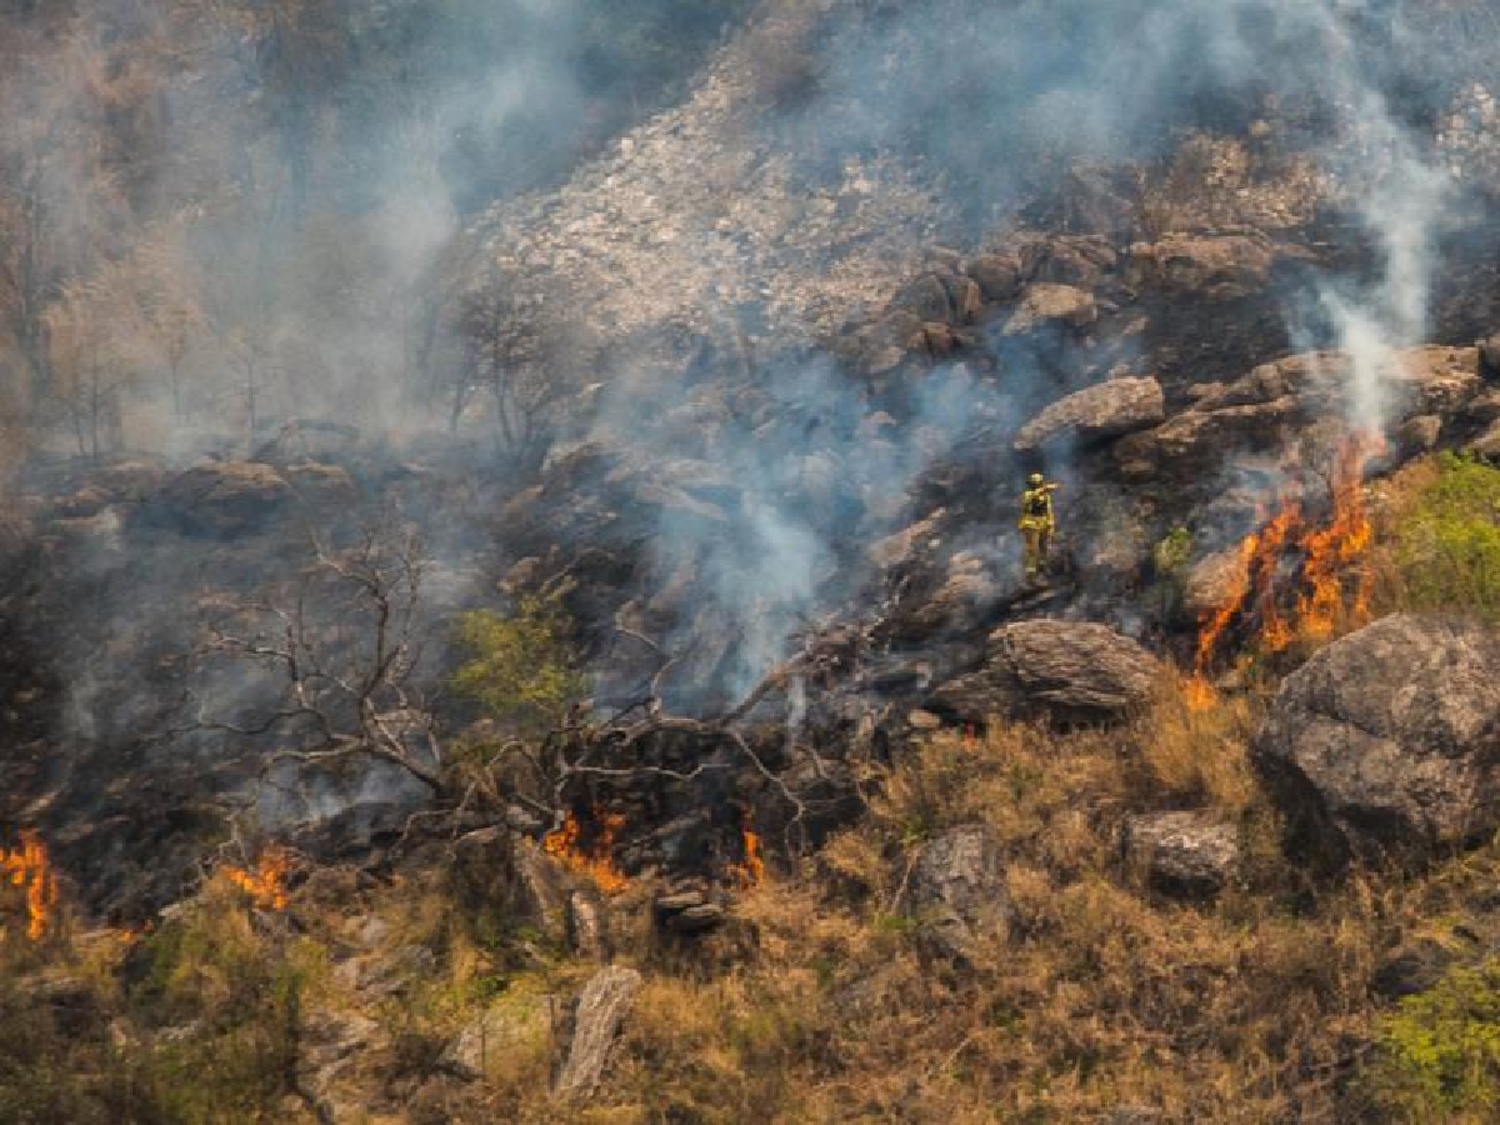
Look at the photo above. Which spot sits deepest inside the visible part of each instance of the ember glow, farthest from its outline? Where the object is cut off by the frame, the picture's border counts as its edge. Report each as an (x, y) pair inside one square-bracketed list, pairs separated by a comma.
[(594, 859), (27, 866), (1329, 593), (265, 883)]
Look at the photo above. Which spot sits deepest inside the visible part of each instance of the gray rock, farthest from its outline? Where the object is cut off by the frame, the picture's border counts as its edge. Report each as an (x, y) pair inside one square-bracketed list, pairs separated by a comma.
[(1387, 742), (601, 1009), (1046, 303), (1076, 666), (1188, 854), (1076, 670), (1213, 581), (1418, 435), (959, 893), (1108, 409)]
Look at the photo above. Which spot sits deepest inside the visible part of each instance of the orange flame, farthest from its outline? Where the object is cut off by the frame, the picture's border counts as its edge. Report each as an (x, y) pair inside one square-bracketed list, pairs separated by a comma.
[(1328, 551), (971, 738), (1331, 549), (27, 866), (265, 883), (596, 861), (752, 869)]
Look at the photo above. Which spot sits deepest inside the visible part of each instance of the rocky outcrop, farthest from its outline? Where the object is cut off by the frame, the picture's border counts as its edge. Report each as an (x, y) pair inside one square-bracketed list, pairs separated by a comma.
[(225, 499), (1075, 670), (959, 893), (1109, 409), (1273, 407), (1187, 854), (1387, 742), (1212, 267), (601, 1009)]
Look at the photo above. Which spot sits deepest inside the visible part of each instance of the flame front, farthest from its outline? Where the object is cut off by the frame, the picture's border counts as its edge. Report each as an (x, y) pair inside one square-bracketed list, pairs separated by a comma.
[(265, 883), (27, 866), (1327, 551), (596, 861)]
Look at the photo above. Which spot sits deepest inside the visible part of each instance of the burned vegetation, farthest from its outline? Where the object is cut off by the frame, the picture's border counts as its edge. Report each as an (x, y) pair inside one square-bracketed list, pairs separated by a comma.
[(517, 597)]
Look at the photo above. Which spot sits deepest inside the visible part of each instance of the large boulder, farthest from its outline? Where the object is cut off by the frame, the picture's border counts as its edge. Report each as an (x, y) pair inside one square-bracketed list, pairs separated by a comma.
[(1387, 742), (1106, 410), (959, 893), (1073, 670)]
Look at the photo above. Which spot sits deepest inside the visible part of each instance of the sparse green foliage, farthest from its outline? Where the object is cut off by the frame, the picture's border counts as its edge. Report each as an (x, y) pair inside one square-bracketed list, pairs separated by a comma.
[(1438, 1057), (1445, 541), (521, 668)]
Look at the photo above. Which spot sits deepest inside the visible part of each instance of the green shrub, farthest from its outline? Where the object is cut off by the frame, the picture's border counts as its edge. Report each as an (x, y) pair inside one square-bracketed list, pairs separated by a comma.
[(1447, 541), (521, 668), (1437, 1058)]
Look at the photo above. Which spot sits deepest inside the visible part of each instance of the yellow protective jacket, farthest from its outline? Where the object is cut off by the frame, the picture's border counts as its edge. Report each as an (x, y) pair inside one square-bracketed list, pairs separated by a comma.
[(1036, 509)]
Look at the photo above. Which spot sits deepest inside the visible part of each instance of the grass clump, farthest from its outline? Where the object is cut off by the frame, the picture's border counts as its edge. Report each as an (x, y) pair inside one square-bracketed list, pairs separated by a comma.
[(1440, 538)]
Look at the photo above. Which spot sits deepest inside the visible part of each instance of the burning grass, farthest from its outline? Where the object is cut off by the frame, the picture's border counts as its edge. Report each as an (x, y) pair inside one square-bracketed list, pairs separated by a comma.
[(590, 853), (265, 880), (28, 868)]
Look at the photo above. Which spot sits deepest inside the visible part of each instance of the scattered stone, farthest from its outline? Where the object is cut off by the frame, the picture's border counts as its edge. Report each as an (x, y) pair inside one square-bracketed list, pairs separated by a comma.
[(1387, 742), (1077, 666), (601, 1009), (1186, 854), (959, 893), (1106, 410)]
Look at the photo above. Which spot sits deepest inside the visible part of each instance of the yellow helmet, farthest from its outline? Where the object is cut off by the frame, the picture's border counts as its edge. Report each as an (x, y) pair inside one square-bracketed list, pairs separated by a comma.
[(1035, 480)]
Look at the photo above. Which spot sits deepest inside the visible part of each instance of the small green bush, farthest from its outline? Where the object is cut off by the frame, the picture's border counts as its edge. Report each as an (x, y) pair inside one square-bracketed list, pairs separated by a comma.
[(1447, 543), (521, 668), (1437, 1057)]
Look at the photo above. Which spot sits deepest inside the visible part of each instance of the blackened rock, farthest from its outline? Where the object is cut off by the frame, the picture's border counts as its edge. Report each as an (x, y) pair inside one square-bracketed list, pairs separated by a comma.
[(1387, 742)]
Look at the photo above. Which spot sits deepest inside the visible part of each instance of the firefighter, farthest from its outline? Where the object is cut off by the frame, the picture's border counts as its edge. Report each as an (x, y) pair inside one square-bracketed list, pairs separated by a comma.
[(1037, 524)]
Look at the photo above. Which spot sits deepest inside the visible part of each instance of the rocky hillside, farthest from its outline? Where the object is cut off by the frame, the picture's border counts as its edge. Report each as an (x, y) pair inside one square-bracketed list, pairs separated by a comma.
[(668, 730)]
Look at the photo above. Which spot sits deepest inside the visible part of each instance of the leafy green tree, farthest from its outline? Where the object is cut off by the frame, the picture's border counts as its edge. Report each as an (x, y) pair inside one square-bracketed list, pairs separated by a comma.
[(520, 667)]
